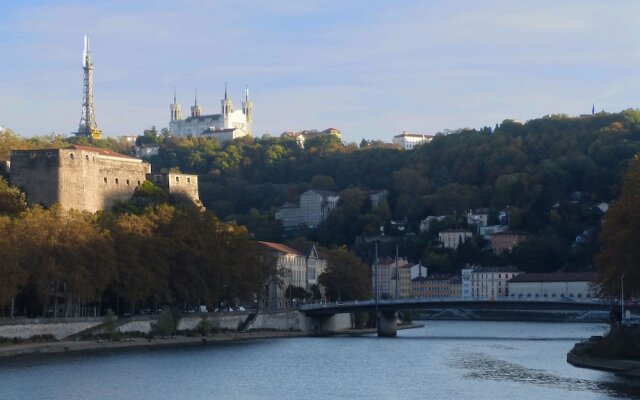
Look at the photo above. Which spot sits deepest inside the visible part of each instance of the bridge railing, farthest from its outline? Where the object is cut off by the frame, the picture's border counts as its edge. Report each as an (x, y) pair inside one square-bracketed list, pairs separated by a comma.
[(461, 300)]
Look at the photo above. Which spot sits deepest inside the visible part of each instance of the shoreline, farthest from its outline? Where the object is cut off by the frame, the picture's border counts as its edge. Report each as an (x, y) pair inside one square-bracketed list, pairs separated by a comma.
[(629, 368), (43, 349), (96, 346)]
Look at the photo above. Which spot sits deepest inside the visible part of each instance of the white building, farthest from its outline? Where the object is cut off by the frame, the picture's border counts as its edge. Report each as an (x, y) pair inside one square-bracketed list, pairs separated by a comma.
[(452, 238), (577, 285), (383, 278), (410, 141), (226, 126), (425, 224), (491, 282), (314, 207), (466, 287), (478, 217), (296, 269)]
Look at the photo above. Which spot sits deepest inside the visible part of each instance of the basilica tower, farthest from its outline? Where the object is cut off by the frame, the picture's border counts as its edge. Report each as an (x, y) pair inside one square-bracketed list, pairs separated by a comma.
[(196, 110), (176, 113), (227, 108), (247, 109)]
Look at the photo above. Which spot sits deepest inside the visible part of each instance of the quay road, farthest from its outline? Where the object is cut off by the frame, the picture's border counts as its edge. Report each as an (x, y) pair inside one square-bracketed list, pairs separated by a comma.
[(386, 306)]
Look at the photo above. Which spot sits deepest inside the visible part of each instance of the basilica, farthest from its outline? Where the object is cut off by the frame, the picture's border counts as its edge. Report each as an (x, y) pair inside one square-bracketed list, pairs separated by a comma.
[(226, 126)]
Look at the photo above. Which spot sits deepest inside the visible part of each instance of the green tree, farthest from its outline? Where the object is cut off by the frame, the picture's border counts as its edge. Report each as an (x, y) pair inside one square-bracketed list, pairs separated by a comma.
[(346, 276)]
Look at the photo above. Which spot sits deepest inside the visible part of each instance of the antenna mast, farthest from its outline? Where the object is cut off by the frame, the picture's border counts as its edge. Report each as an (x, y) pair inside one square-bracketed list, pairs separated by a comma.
[(88, 126)]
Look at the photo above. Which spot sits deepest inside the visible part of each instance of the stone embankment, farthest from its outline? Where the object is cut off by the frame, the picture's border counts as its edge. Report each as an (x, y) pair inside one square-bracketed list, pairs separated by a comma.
[(65, 347), (233, 326), (578, 358)]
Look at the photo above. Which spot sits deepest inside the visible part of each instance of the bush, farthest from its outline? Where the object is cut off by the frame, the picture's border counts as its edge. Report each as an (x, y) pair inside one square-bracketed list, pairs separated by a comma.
[(619, 343), (204, 326), (167, 324), (111, 326)]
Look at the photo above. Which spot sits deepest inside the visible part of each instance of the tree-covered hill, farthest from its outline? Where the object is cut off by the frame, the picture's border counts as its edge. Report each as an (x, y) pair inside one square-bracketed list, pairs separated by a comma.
[(547, 173)]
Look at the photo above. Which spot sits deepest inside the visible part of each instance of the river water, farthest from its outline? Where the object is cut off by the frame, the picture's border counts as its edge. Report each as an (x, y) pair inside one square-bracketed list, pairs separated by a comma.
[(443, 360)]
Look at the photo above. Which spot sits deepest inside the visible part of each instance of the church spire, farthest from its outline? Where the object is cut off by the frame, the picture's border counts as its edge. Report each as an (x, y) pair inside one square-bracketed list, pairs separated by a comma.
[(176, 113), (247, 108), (227, 108), (196, 110)]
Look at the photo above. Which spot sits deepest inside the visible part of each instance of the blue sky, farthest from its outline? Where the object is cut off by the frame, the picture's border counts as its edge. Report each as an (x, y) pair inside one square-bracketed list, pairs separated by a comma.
[(370, 68)]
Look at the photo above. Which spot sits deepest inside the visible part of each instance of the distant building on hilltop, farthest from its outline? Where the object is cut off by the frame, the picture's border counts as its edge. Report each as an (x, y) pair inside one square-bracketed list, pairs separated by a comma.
[(452, 238), (302, 136), (409, 141), (226, 126), (503, 241), (314, 207)]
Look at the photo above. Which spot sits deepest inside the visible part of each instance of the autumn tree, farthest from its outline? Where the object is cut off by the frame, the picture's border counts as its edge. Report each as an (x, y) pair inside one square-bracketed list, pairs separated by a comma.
[(619, 252)]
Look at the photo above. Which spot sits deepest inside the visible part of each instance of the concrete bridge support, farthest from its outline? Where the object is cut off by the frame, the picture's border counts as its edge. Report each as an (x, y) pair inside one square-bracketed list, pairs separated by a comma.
[(387, 324), (327, 324)]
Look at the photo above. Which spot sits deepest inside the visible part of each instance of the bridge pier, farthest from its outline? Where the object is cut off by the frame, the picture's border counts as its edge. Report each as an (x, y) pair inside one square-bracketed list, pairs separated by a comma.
[(387, 324)]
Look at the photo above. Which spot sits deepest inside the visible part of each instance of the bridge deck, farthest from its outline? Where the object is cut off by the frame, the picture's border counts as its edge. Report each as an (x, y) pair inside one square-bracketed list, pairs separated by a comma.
[(441, 304)]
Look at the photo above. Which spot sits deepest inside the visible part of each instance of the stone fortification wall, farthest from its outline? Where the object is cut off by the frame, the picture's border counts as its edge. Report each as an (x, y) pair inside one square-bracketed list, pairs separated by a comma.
[(184, 184), (37, 173), (58, 327), (91, 181), (79, 178)]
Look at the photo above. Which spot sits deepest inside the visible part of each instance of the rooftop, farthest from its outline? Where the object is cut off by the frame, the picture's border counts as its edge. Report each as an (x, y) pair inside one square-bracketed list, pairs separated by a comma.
[(203, 118), (280, 248), (495, 269), (556, 277), (102, 152)]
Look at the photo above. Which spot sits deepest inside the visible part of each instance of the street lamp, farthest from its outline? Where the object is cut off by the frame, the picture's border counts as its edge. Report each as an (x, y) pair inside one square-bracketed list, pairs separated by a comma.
[(622, 299)]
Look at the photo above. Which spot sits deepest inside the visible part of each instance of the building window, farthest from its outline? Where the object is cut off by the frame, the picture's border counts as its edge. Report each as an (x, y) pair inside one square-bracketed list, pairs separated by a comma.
[(71, 156), (105, 179), (128, 182), (86, 157), (188, 180), (138, 183), (117, 181), (177, 179)]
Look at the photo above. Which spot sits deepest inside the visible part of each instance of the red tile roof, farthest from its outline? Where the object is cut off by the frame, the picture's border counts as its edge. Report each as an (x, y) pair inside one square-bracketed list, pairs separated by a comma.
[(103, 152), (280, 248)]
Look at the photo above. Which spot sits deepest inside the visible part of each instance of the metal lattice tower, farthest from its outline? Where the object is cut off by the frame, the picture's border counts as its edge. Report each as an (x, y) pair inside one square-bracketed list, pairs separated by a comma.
[(88, 126)]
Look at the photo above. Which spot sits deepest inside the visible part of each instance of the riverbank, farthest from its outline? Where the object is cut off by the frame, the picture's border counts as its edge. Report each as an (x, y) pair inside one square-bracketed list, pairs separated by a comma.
[(578, 358), (77, 346), (90, 346)]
